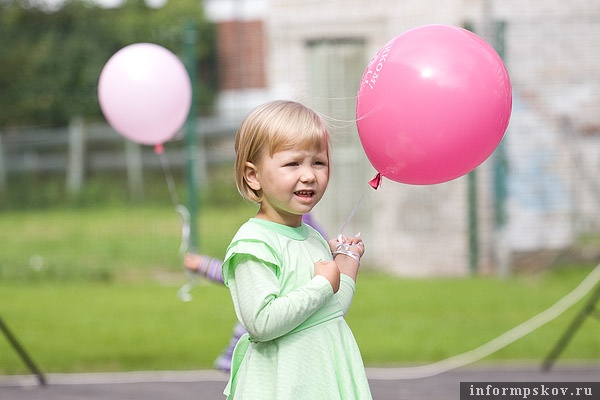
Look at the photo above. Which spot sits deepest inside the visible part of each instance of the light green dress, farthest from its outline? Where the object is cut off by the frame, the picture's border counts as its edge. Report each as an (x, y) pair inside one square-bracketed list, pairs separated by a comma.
[(298, 344)]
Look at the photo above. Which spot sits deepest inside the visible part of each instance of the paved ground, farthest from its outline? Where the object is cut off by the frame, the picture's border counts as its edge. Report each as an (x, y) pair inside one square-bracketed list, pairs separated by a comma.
[(205, 385)]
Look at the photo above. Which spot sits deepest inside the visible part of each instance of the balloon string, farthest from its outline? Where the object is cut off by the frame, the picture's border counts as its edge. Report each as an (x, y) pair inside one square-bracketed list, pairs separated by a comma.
[(184, 292), (164, 161), (360, 200)]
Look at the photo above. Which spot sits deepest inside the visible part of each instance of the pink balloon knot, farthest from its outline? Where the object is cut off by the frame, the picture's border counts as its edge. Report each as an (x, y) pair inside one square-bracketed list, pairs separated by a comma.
[(159, 149), (376, 182)]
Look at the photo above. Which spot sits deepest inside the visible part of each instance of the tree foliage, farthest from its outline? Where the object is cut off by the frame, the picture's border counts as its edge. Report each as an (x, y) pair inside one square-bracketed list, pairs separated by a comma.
[(50, 61)]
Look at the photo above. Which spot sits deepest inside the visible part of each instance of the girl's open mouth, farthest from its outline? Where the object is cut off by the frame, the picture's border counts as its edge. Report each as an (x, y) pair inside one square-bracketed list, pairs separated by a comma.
[(305, 193)]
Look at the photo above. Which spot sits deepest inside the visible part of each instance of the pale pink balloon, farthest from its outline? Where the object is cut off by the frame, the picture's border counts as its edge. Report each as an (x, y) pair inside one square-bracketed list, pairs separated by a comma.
[(432, 105), (145, 93)]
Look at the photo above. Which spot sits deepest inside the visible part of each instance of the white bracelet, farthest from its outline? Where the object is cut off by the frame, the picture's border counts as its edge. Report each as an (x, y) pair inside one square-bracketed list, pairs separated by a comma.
[(348, 253), (343, 248)]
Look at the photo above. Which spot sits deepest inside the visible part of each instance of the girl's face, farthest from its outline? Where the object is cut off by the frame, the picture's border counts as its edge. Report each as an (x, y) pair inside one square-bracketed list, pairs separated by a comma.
[(291, 181)]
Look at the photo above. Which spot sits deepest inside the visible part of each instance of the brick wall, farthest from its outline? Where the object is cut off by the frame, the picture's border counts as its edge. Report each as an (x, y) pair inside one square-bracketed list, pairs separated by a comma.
[(241, 55)]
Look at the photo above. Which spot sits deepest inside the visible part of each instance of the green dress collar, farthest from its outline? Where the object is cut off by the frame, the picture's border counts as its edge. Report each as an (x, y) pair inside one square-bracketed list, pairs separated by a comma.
[(299, 233)]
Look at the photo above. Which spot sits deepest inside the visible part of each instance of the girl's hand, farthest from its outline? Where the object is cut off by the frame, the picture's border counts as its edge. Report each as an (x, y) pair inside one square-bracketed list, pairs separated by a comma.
[(192, 261), (330, 271), (354, 244), (347, 252)]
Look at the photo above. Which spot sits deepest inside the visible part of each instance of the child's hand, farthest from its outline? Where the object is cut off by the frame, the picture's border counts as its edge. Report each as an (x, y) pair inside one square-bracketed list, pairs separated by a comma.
[(330, 271), (347, 252), (352, 243), (192, 261)]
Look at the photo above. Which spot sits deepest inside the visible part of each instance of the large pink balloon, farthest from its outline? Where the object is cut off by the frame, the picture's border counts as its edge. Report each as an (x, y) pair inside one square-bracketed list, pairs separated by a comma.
[(145, 93), (432, 105)]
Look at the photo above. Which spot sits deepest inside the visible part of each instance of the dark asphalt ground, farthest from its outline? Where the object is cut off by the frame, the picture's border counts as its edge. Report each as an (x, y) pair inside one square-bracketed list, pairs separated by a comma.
[(205, 385)]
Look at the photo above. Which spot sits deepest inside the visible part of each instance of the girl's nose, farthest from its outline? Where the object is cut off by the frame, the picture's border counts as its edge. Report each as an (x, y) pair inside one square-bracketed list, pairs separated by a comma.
[(308, 175)]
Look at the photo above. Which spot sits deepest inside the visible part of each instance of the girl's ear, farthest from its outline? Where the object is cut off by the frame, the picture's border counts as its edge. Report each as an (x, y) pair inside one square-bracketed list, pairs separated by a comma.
[(251, 176)]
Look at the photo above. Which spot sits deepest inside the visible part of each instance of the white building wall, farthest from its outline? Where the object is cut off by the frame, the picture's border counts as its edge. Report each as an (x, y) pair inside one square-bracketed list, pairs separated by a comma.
[(553, 60), (410, 230)]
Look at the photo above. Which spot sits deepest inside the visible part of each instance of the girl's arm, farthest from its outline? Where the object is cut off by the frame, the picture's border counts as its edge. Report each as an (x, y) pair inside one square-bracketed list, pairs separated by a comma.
[(347, 252), (204, 265), (346, 293), (263, 312)]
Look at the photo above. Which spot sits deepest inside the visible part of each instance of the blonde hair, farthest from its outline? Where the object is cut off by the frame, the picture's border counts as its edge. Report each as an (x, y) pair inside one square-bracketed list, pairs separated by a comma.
[(272, 127)]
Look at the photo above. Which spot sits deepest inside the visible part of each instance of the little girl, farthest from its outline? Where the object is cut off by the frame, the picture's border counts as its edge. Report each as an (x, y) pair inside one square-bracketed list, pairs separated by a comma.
[(212, 269), (290, 288)]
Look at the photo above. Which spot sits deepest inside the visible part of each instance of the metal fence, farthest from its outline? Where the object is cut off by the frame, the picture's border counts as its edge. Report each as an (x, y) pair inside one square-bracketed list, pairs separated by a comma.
[(84, 149)]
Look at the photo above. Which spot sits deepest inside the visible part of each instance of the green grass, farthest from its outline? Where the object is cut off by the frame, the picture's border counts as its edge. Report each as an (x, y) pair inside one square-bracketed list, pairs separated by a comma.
[(398, 321), (143, 326), (99, 327), (95, 290), (104, 244)]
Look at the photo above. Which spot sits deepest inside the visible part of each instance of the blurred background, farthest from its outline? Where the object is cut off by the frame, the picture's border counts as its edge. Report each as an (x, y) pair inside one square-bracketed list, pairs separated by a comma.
[(531, 202), (79, 203)]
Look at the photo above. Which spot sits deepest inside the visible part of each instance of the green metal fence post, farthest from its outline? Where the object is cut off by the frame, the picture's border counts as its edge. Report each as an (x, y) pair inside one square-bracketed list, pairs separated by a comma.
[(473, 223), (473, 205), (190, 33), (500, 164)]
